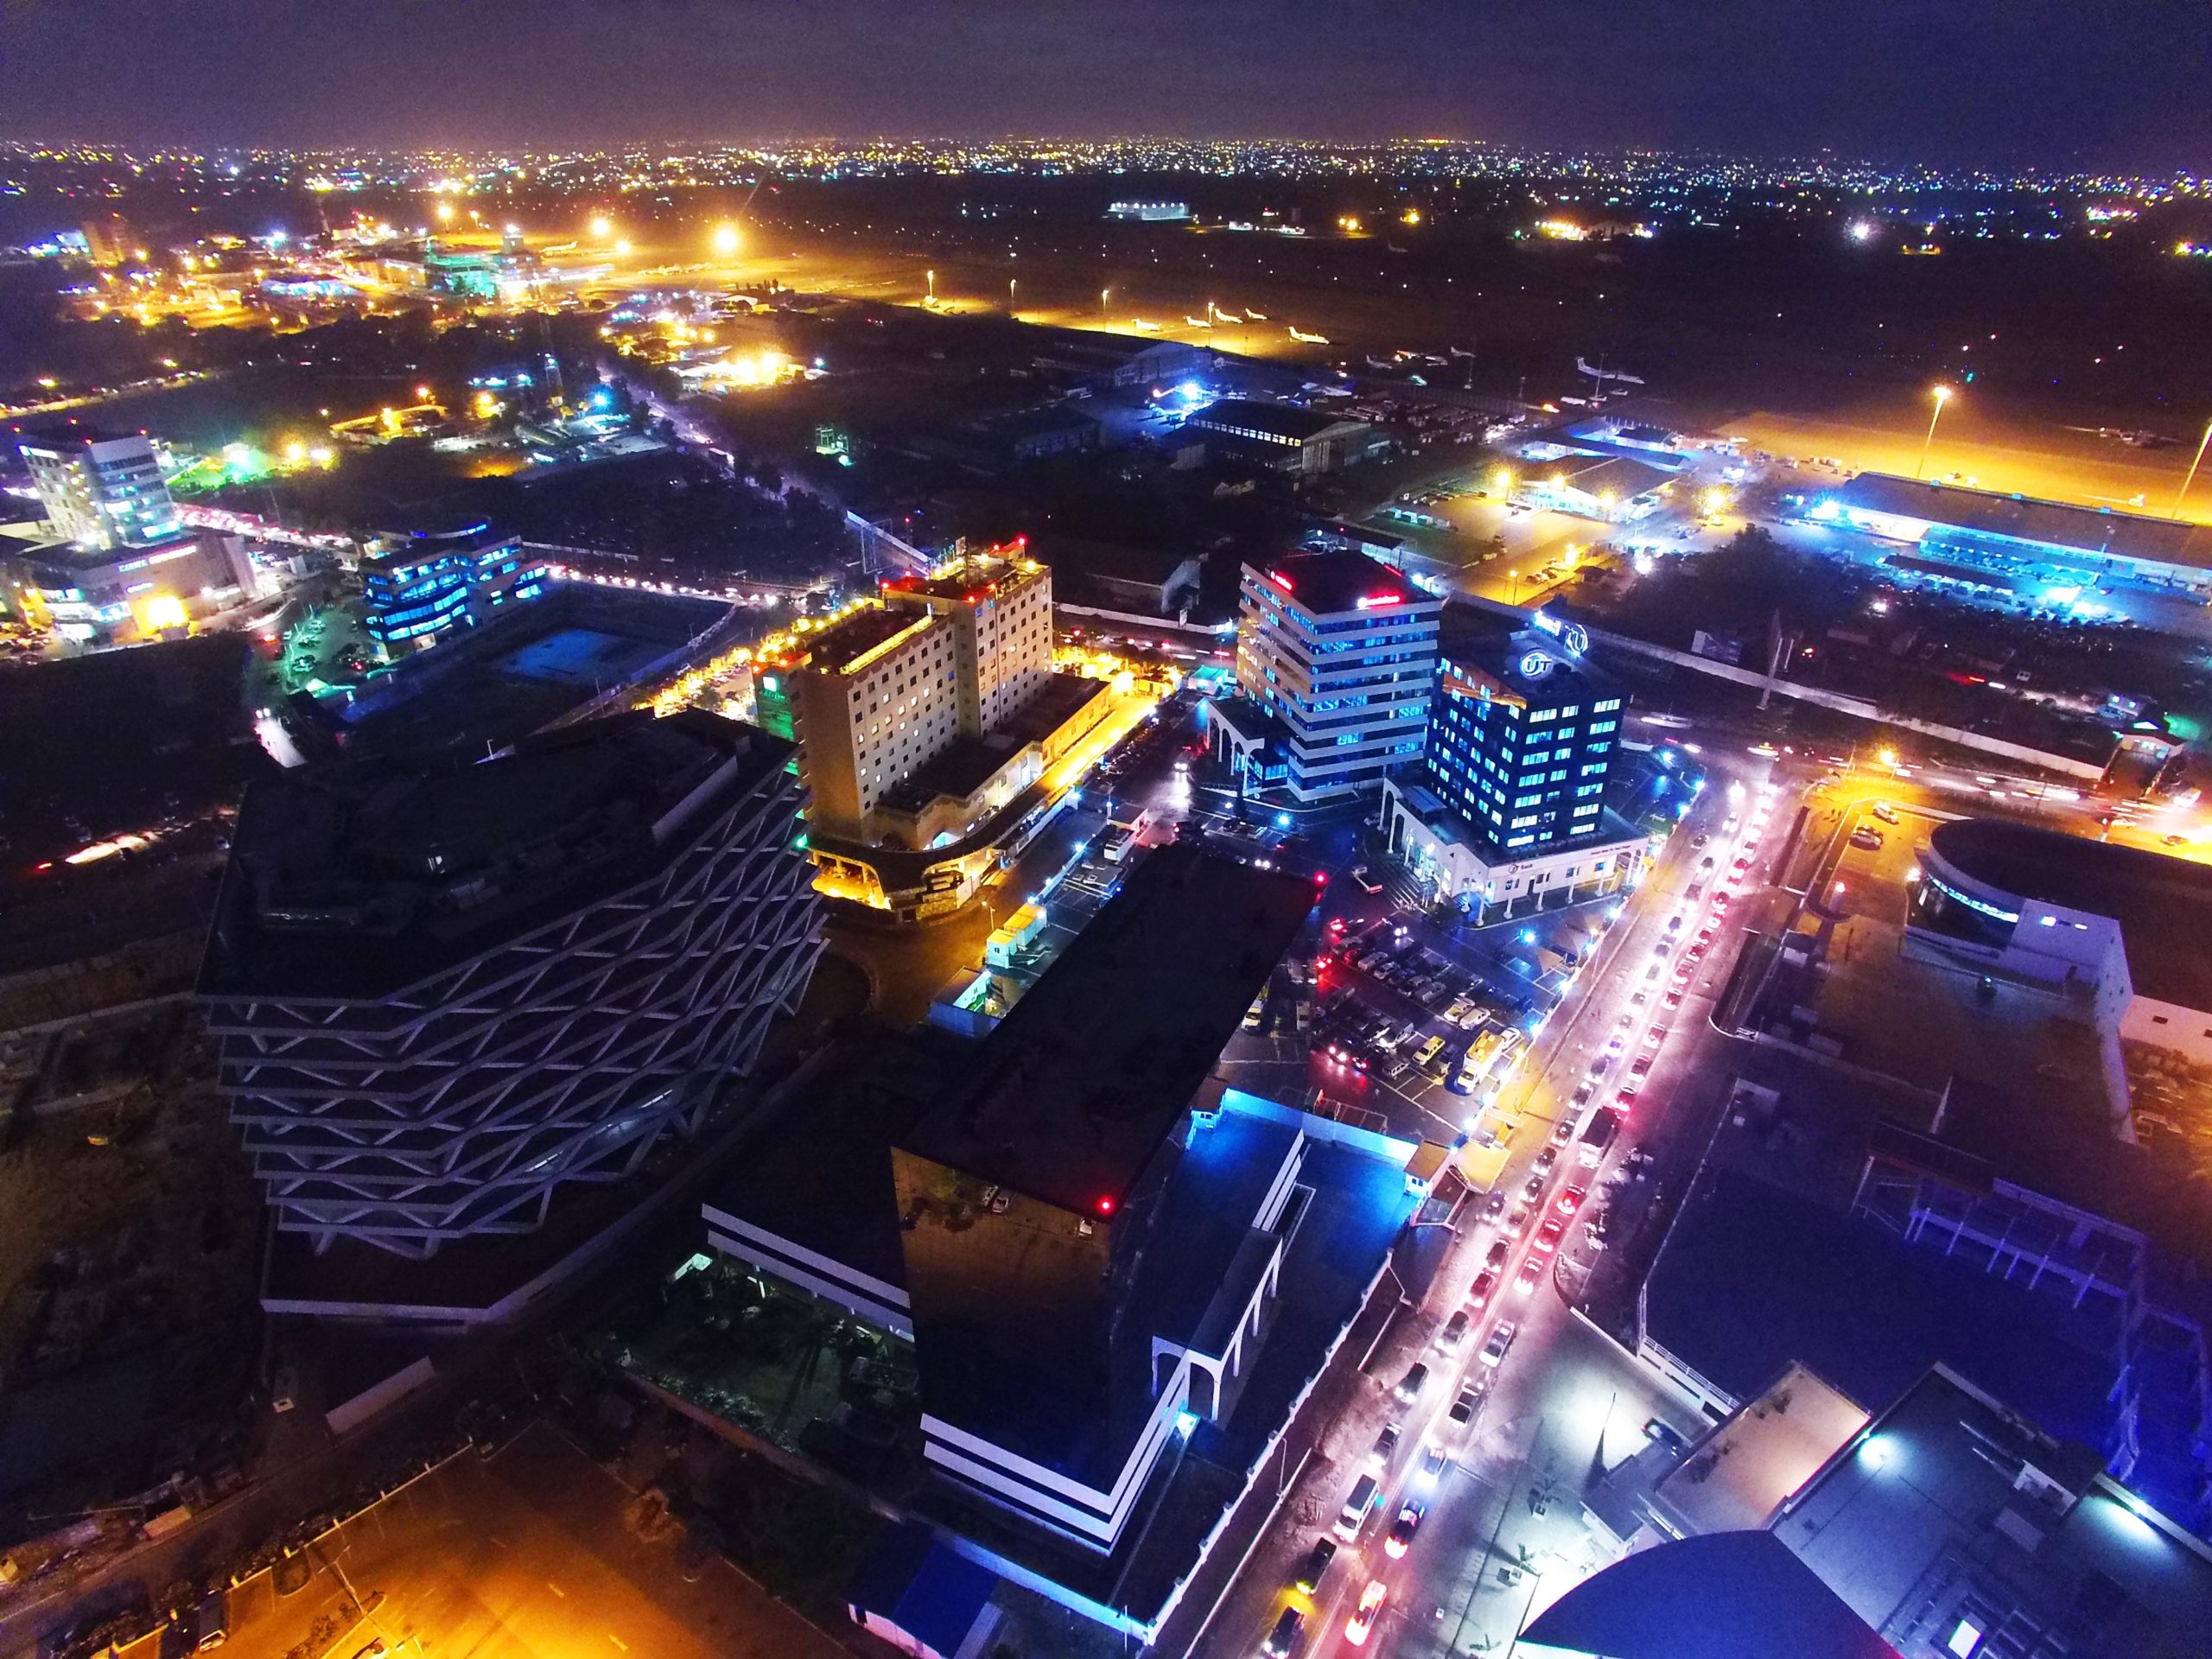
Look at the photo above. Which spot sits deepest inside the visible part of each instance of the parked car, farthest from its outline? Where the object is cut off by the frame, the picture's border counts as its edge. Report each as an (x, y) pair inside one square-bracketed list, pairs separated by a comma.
[(1316, 1563)]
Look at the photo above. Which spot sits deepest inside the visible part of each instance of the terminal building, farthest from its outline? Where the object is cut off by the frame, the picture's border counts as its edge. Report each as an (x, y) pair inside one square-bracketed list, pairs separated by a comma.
[(1336, 662), (446, 995), (421, 587), (2019, 542), (1508, 806), (1115, 1276), (2121, 933)]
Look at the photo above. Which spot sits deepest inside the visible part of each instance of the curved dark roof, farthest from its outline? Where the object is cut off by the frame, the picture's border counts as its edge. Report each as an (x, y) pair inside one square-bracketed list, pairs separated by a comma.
[(2162, 905), (1727, 1595)]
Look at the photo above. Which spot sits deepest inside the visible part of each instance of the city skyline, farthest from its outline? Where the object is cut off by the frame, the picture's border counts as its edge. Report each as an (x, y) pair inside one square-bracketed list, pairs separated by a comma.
[(1964, 83)]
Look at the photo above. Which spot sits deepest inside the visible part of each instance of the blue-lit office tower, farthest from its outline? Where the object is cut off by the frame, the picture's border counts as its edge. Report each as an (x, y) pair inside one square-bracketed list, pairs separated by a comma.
[(1342, 651), (418, 587), (1521, 737)]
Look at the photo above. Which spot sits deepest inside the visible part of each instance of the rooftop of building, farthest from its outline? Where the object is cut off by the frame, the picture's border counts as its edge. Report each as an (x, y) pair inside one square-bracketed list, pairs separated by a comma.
[(355, 880), (1726, 1595), (1522, 661), (2162, 905), (63, 556), (958, 770), (2029, 518), (974, 577), (1936, 1515), (1620, 476), (1767, 1264), (64, 439), (1337, 583), (1078, 1087), (405, 546), (852, 640), (1739, 1474), (1287, 421)]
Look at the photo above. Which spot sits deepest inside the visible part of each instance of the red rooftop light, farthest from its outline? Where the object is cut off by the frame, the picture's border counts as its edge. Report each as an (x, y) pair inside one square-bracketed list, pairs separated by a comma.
[(1281, 582), (1105, 1206)]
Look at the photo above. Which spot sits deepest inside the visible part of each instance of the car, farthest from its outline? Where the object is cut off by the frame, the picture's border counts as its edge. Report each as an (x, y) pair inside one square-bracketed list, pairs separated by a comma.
[(1705, 864), (1570, 1200), (1625, 1098), (1315, 1564), (1434, 1461), (1545, 1157), (1400, 1538), (1283, 1638), (1411, 1384), (1563, 1130), (1674, 922), (1518, 1222), (1885, 812), (1385, 1447), (1583, 1090), (1479, 1293), (1548, 1235), (1361, 1624), (1625, 1021), (1720, 902), (1866, 838), (1665, 1434), (1640, 1069), (1495, 1206), (1500, 1339), (1654, 1036), (1615, 1043), (1640, 996), (1534, 1189), (1660, 950), (1671, 1000), (1500, 1248), (1463, 1408), (1531, 1274), (1454, 1331), (1700, 840)]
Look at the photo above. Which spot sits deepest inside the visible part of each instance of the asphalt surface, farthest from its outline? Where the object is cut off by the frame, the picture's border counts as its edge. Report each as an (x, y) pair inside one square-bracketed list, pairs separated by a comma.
[(526, 1555)]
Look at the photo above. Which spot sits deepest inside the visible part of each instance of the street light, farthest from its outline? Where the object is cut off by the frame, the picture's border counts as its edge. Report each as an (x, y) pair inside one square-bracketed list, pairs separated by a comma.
[(2196, 462), (1942, 395), (1009, 294), (932, 276), (725, 239), (1105, 293), (603, 227)]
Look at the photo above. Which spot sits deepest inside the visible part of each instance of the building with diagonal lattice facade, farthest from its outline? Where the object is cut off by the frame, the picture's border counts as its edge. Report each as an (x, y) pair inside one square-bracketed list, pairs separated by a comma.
[(444, 993)]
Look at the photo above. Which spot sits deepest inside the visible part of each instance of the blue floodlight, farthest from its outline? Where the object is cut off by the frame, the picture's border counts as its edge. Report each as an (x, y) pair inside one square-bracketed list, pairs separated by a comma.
[(1282, 820)]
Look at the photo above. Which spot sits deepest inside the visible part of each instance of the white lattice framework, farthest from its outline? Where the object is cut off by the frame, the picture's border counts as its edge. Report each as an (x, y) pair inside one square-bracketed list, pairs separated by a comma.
[(457, 1105)]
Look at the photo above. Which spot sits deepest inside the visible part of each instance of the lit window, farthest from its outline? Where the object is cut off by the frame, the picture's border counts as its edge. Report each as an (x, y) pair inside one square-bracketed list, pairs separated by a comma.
[(1964, 1638)]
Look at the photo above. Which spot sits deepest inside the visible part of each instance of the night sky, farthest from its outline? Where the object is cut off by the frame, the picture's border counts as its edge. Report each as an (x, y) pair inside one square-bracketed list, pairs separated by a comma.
[(2041, 82)]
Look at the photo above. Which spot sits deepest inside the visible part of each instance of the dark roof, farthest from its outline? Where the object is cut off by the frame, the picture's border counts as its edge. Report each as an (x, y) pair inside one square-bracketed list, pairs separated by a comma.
[(1943, 1523), (1057, 702), (959, 769), (850, 637), (1277, 420), (2057, 523), (1727, 1595), (2162, 905), (1330, 584), (1502, 648), (357, 880), (923, 1587), (1078, 1086)]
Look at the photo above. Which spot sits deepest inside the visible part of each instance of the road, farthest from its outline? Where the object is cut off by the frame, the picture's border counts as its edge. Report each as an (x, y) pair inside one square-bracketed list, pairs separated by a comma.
[(524, 1556), (1564, 1401)]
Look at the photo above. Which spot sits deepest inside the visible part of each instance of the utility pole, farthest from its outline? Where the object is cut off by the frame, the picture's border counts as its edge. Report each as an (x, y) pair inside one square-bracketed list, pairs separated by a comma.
[(2194, 462)]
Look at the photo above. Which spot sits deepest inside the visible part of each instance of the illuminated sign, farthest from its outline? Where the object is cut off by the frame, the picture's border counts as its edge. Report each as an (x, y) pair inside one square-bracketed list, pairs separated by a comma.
[(1572, 635), (1370, 602), (1281, 582), (1534, 664)]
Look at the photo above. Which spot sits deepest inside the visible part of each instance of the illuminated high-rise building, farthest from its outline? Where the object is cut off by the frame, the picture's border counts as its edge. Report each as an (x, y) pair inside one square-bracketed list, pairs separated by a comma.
[(101, 490)]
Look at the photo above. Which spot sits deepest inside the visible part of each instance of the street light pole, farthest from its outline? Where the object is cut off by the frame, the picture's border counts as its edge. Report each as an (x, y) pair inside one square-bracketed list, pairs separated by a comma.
[(2194, 462), (1942, 397)]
